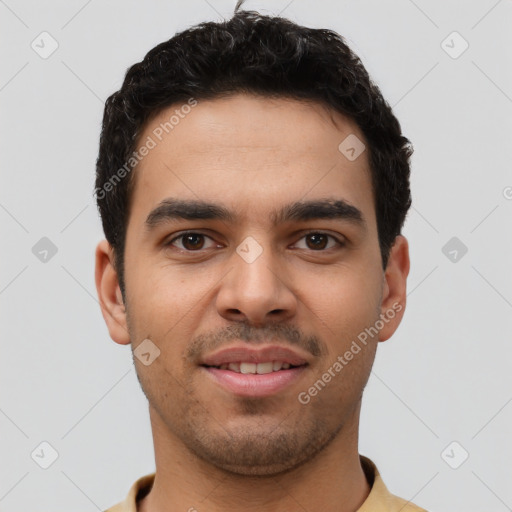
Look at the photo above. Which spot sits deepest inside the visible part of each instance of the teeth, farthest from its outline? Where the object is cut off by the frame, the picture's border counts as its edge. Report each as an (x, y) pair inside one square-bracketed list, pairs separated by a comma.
[(259, 368), (248, 367), (234, 367), (263, 368)]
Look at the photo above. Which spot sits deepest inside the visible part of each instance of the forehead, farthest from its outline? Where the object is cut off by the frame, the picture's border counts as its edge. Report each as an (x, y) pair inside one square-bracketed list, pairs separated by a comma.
[(251, 154)]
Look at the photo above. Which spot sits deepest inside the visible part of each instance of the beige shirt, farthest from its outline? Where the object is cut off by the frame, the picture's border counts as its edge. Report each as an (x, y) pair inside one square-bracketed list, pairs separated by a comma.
[(379, 499)]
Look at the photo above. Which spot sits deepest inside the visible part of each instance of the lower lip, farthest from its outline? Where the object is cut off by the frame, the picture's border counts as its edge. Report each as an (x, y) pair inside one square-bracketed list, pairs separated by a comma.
[(255, 385)]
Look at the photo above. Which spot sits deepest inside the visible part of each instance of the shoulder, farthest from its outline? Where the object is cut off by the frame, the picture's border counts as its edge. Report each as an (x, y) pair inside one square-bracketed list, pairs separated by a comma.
[(138, 490), (380, 499)]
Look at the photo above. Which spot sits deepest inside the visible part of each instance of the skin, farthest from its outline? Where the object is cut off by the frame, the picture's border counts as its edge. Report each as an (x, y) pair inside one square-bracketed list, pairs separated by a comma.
[(215, 451)]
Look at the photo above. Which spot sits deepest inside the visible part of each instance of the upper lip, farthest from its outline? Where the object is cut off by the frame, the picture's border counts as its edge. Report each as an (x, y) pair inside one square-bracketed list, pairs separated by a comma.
[(245, 354)]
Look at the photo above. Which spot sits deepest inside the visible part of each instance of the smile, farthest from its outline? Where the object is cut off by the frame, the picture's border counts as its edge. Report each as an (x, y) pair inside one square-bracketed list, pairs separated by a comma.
[(255, 368), (251, 380)]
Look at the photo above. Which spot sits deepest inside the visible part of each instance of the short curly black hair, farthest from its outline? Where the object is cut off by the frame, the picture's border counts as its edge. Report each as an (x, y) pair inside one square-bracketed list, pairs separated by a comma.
[(254, 54)]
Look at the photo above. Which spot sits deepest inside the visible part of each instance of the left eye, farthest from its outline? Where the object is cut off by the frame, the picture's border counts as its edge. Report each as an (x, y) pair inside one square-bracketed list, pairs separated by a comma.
[(319, 241), (191, 241)]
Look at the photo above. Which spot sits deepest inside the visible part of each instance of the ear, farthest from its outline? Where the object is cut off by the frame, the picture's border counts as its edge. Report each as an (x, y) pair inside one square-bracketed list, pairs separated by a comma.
[(109, 294), (395, 288)]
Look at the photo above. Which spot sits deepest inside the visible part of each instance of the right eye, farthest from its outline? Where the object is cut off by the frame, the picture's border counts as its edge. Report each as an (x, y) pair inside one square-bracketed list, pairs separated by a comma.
[(191, 241)]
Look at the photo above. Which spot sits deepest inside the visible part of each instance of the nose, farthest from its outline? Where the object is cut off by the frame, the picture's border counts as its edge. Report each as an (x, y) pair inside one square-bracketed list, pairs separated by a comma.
[(256, 291)]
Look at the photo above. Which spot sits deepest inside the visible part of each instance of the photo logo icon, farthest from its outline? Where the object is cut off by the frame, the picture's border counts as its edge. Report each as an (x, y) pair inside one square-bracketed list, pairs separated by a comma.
[(454, 455), (352, 147), (454, 45), (44, 455), (249, 250), (44, 250), (454, 249), (146, 352), (45, 45)]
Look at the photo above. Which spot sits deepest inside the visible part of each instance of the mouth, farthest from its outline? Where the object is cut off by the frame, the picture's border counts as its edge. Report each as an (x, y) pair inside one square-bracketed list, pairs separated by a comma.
[(248, 372), (248, 367), (255, 371)]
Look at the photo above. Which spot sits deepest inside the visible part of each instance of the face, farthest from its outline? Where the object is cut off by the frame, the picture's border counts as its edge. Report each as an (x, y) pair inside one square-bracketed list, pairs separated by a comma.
[(252, 246)]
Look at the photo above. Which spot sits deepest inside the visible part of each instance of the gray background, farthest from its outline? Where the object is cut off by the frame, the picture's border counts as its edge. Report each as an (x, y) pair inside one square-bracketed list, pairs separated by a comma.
[(444, 377)]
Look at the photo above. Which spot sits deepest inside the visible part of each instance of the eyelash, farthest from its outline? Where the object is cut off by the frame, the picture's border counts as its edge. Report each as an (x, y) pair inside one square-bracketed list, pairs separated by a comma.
[(313, 232)]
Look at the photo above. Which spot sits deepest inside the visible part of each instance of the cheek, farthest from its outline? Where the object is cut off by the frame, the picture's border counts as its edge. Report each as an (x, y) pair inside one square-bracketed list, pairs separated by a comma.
[(167, 306), (350, 309), (161, 296), (345, 302)]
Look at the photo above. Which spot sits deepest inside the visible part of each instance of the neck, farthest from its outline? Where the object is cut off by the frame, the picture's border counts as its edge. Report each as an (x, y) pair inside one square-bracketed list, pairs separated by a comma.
[(334, 480)]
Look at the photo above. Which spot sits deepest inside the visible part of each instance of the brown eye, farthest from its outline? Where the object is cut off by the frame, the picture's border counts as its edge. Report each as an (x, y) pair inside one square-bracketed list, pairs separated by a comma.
[(193, 241), (317, 241), (189, 241)]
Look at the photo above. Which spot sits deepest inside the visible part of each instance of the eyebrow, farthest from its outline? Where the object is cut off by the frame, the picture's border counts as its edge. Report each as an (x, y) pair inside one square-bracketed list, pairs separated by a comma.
[(178, 209)]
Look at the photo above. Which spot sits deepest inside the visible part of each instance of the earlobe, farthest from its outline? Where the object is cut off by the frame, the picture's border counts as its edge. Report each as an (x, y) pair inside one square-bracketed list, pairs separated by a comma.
[(394, 291), (109, 294)]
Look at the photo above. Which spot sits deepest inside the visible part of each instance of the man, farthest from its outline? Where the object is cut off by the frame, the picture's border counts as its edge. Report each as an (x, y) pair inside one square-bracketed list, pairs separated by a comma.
[(252, 184)]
